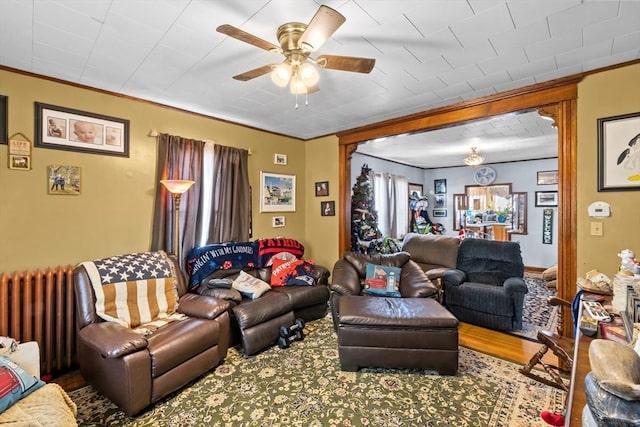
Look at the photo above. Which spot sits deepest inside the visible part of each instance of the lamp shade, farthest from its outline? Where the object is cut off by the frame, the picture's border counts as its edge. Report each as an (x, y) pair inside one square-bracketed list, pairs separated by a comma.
[(309, 74), (177, 186), (281, 74), (297, 86)]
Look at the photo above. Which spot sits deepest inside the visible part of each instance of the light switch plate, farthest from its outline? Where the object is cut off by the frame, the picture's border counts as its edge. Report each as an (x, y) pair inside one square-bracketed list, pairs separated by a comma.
[(596, 228)]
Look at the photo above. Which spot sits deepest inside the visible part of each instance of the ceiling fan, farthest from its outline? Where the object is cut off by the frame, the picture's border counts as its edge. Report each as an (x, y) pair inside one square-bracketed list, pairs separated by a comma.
[(297, 42)]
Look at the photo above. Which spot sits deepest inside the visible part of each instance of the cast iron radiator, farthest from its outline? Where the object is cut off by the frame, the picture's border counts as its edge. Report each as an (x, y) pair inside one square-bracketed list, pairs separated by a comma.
[(38, 305)]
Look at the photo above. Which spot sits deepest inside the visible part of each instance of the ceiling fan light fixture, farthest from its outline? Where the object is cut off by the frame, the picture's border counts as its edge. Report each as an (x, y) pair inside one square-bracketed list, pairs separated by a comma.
[(473, 159), (309, 74), (297, 86), (281, 74)]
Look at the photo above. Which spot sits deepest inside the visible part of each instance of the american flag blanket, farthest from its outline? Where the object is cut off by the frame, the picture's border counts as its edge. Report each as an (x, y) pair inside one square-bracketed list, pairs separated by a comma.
[(135, 290)]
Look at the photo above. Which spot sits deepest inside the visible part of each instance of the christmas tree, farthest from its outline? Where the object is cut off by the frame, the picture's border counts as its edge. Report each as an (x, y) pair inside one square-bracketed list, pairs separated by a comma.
[(365, 235)]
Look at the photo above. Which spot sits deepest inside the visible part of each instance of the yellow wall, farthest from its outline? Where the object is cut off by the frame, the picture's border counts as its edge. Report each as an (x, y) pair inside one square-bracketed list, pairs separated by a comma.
[(113, 213), (322, 231), (605, 94)]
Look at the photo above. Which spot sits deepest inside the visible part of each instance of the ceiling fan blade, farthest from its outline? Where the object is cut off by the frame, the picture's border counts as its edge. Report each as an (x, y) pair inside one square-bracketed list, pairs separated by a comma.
[(256, 72), (241, 35), (346, 63), (313, 89), (323, 24)]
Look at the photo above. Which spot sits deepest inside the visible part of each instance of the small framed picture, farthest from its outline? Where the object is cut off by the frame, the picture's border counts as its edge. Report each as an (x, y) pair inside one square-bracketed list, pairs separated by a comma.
[(440, 186), (547, 177), (277, 221), (322, 188), (63, 180), (280, 159), (19, 162), (440, 200), (439, 213), (415, 191), (546, 199), (328, 208)]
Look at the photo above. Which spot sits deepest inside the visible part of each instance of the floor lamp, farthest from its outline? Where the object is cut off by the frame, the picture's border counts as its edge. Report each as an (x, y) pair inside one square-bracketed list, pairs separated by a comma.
[(177, 187)]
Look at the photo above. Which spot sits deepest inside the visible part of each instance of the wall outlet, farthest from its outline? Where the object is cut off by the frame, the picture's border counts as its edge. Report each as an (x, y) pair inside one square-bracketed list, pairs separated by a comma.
[(596, 228)]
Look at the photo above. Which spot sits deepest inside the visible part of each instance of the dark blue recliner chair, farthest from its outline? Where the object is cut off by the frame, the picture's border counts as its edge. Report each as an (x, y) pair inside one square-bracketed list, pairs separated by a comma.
[(487, 286)]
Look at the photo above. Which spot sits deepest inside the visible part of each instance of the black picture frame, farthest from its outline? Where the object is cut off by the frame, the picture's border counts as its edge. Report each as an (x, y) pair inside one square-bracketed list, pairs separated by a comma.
[(322, 188), (440, 186), (619, 152), (60, 128), (439, 213), (328, 208), (4, 119), (546, 199)]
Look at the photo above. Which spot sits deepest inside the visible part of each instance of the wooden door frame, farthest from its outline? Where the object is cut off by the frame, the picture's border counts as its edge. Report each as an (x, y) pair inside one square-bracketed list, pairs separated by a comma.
[(555, 99)]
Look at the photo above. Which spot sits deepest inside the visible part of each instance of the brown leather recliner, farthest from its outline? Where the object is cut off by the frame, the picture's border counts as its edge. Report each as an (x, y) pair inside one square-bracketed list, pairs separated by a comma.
[(135, 370), (349, 274)]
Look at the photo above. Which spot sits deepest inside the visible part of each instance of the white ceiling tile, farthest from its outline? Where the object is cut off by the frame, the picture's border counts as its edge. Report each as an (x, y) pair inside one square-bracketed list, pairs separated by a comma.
[(522, 36), (469, 72), (524, 13), (484, 25), (574, 18), (554, 46), (489, 81), (503, 62), (544, 65), (578, 56), (627, 42), (470, 55)]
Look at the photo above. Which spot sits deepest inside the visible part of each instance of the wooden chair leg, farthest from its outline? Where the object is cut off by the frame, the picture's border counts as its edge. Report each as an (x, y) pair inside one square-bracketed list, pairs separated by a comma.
[(552, 370)]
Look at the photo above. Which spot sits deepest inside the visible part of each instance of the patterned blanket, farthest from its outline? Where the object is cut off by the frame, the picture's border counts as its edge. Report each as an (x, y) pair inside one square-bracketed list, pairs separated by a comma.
[(136, 290), (204, 260)]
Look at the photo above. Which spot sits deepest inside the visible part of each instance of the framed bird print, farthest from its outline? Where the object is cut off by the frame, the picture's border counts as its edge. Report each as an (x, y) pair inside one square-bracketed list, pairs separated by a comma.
[(619, 152)]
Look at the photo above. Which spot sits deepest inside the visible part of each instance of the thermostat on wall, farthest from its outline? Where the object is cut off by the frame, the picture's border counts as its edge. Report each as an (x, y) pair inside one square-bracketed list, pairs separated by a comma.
[(599, 209)]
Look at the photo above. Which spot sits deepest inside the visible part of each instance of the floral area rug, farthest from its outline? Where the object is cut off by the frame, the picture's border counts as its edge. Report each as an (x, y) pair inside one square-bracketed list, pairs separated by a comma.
[(304, 386), (537, 314)]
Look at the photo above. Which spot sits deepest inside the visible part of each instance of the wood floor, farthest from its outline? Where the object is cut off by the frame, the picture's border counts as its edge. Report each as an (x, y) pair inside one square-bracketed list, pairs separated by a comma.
[(499, 344)]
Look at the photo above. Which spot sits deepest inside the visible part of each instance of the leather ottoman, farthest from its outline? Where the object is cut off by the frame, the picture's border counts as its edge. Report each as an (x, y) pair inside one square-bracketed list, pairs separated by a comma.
[(397, 333)]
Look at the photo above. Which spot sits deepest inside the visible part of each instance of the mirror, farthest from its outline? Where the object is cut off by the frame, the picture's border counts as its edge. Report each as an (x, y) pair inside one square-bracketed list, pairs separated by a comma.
[(490, 204)]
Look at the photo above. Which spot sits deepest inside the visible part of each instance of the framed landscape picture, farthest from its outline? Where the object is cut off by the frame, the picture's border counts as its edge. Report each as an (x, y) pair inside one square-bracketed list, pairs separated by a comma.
[(277, 192), (546, 198), (547, 177)]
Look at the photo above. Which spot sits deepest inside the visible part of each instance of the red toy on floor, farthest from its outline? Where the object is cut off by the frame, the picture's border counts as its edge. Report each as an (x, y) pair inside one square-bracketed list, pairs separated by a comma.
[(552, 418)]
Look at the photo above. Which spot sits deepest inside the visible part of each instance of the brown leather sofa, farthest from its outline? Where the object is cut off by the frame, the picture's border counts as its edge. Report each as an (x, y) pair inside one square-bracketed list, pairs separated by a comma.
[(349, 273), (435, 254), (413, 331), (135, 370), (255, 324)]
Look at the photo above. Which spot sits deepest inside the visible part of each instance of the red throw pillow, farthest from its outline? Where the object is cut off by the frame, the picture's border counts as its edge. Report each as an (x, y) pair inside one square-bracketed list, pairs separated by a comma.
[(291, 272), (281, 269)]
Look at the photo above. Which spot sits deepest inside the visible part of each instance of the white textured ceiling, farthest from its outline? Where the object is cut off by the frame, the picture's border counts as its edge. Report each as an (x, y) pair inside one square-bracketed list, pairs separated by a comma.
[(428, 53)]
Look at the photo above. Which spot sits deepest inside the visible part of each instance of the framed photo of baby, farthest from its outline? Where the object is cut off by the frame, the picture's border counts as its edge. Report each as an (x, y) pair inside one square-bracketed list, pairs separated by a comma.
[(67, 129)]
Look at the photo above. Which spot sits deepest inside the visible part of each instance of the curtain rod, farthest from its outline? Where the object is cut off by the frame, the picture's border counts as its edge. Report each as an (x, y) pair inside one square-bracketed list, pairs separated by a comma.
[(154, 133)]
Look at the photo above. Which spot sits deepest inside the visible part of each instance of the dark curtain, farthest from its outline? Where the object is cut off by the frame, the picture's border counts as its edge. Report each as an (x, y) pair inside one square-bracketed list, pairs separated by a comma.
[(231, 200), (178, 158)]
